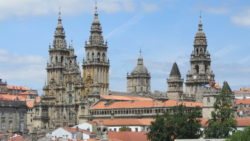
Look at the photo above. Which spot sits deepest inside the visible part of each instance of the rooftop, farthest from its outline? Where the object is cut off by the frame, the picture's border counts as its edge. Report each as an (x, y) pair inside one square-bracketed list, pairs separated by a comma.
[(143, 104)]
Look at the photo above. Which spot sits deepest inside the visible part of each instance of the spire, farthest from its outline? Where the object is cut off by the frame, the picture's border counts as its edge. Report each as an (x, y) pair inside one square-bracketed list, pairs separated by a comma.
[(59, 21), (200, 36), (96, 18), (175, 70), (96, 37), (200, 24), (59, 36)]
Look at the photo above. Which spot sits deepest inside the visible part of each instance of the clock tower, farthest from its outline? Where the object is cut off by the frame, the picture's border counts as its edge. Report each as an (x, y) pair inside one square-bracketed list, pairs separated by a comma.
[(200, 73)]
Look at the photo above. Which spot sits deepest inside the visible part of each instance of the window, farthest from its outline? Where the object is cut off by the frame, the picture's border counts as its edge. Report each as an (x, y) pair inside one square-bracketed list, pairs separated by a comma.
[(208, 99), (197, 68)]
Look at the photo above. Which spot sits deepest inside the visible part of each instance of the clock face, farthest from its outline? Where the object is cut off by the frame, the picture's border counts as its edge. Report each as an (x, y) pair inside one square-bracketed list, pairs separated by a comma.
[(208, 77)]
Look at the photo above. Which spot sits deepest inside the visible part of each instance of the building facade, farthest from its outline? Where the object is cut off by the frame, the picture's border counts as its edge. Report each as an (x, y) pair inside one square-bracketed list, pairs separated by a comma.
[(138, 81), (200, 73), (13, 116), (62, 97)]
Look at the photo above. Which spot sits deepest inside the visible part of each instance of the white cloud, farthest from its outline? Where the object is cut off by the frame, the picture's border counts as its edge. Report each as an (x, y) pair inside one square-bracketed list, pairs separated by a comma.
[(215, 10), (22, 69), (242, 19), (149, 7), (125, 26), (26, 8)]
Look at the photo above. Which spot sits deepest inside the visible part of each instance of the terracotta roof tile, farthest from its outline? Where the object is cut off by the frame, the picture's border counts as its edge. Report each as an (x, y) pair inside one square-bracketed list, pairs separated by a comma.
[(241, 122), (16, 137), (125, 98), (127, 136), (12, 87), (11, 97), (124, 122), (242, 101), (142, 104)]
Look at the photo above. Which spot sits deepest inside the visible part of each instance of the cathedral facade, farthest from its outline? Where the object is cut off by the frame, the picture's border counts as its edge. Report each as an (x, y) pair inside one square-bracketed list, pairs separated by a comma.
[(69, 94)]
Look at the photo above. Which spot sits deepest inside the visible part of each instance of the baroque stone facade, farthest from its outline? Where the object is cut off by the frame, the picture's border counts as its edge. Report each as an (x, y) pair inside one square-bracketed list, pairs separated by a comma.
[(200, 73), (96, 63), (63, 91)]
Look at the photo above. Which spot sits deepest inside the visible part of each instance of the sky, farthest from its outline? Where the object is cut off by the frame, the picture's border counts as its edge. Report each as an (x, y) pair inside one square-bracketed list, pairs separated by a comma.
[(163, 29)]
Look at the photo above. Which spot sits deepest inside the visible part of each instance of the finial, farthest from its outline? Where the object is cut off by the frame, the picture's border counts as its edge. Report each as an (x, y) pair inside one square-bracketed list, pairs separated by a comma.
[(96, 8), (59, 17), (140, 53), (59, 13), (200, 22)]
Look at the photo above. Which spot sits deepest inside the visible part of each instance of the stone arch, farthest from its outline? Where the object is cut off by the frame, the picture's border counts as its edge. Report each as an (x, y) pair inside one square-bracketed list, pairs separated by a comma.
[(61, 59), (197, 68), (98, 56), (103, 56), (93, 56)]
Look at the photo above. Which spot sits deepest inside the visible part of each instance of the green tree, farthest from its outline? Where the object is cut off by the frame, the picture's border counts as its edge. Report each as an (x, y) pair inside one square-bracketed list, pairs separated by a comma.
[(182, 123), (222, 121), (240, 135)]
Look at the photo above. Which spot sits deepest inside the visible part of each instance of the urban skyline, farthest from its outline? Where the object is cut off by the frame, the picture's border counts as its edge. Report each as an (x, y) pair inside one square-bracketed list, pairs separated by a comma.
[(162, 30)]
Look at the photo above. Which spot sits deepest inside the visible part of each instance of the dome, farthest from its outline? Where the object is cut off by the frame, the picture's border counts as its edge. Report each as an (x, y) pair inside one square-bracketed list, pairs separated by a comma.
[(140, 68)]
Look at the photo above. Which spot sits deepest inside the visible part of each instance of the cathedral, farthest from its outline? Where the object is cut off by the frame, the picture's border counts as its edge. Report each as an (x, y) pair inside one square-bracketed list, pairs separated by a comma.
[(69, 93)]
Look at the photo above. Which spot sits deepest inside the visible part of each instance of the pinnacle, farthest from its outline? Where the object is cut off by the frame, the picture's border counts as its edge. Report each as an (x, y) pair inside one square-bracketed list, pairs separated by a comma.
[(175, 70)]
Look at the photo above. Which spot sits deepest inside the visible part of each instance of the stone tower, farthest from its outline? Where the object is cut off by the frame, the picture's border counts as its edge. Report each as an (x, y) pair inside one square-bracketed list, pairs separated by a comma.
[(175, 84), (96, 62), (138, 81), (62, 92), (200, 73)]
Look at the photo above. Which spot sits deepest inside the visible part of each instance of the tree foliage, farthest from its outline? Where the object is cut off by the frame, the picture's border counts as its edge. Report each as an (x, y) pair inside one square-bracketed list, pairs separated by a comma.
[(182, 123), (222, 121), (240, 135)]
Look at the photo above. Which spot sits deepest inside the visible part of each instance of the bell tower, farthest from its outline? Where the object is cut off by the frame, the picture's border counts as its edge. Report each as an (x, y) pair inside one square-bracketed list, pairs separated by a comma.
[(96, 63), (200, 73)]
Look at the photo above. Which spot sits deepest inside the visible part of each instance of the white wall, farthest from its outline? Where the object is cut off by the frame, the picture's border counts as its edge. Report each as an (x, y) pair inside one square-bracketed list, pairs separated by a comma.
[(85, 126), (60, 132), (133, 128)]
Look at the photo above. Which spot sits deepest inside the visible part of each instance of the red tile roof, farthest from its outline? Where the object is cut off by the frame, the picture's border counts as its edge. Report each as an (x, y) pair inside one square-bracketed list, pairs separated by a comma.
[(242, 101), (11, 97), (127, 136), (125, 122), (18, 88), (125, 98), (16, 137), (240, 122), (142, 104)]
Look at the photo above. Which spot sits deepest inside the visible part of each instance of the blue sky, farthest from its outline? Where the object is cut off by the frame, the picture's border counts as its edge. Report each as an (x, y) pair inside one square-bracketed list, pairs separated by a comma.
[(163, 29)]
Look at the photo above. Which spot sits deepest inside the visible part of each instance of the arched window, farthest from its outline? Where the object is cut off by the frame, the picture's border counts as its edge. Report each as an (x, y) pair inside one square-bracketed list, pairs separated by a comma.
[(70, 98), (88, 56), (197, 68), (206, 68), (61, 59), (103, 57), (98, 56), (197, 51), (93, 56), (56, 59)]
